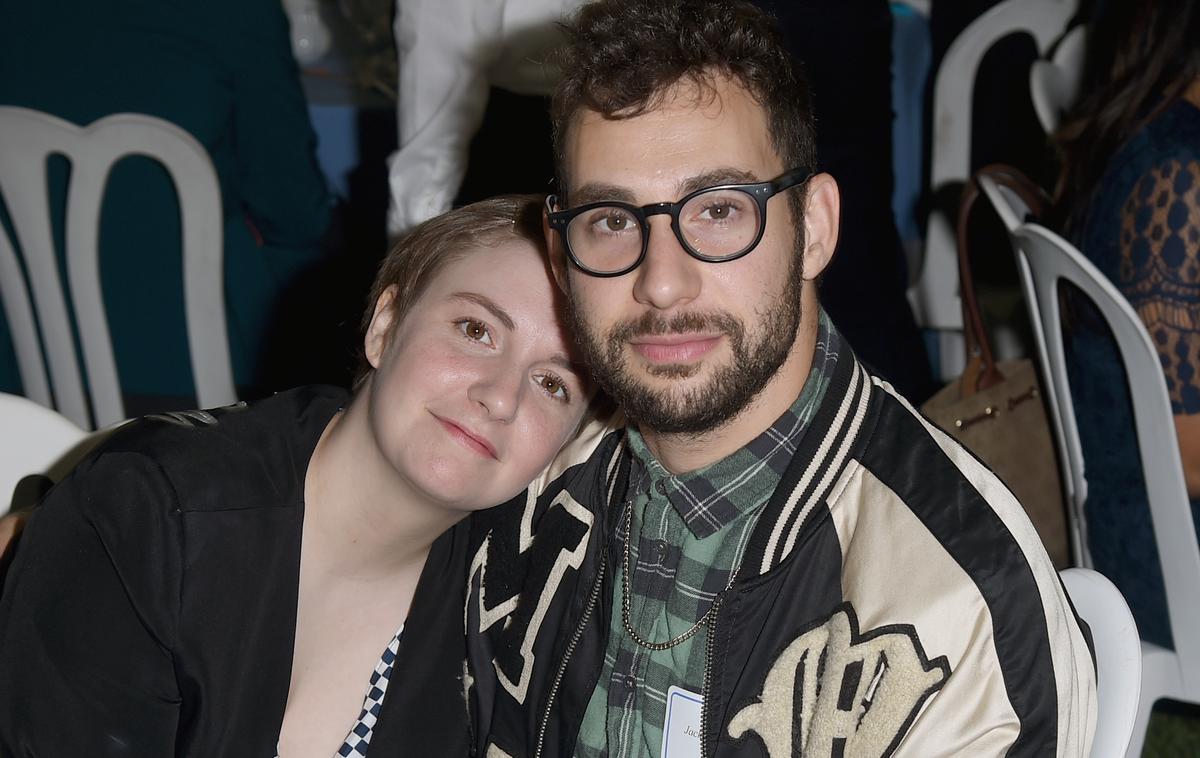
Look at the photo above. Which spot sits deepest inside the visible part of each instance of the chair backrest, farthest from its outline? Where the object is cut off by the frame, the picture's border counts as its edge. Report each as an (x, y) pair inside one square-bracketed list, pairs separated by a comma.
[(954, 87), (27, 139), (1118, 657), (1013, 211), (1043, 260), (32, 438), (935, 293), (1008, 205), (1054, 84)]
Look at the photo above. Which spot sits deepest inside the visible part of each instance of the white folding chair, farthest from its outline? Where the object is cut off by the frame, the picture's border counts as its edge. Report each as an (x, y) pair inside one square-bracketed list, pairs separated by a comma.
[(1043, 260), (1054, 83), (934, 292), (1012, 211), (1009, 206), (27, 138), (32, 439), (1118, 657)]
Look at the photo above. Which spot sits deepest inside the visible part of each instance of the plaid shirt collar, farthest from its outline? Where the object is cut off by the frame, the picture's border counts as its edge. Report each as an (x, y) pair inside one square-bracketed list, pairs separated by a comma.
[(711, 497)]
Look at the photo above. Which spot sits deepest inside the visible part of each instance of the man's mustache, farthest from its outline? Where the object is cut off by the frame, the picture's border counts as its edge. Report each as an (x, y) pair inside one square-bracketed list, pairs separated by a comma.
[(652, 324)]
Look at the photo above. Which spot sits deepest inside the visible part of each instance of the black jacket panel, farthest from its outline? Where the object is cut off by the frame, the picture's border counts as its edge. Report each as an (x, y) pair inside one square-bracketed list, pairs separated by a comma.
[(151, 608)]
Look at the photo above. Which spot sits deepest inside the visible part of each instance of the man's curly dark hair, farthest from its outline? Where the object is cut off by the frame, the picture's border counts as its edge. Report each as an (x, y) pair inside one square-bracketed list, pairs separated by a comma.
[(622, 56)]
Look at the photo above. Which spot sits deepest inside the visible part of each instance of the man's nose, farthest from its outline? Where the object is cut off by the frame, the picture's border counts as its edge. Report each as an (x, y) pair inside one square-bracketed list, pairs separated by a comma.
[(668, 276)]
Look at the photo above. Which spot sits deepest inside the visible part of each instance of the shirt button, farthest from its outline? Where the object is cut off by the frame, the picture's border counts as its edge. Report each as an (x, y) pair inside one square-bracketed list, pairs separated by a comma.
[(661, 486), (660, 550)]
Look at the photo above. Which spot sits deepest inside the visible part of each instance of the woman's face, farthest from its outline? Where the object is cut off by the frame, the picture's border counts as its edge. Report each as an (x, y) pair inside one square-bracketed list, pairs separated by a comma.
[(477, 388)]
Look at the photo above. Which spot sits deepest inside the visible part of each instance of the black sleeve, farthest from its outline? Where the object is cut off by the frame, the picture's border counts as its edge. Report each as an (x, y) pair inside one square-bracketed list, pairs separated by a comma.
[(88, 618)]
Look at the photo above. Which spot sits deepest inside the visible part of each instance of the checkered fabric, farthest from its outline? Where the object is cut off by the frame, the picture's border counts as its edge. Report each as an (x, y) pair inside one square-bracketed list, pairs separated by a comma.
[(359, 738), (692, 530)]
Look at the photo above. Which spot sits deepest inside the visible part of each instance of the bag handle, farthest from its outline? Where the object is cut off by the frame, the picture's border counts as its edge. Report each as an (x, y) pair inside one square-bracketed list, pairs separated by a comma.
[(981, 371)]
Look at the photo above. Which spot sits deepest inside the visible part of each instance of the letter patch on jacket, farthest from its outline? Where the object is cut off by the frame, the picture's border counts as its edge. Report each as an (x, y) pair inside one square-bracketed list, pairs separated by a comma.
[(539, 562), (838, 692)]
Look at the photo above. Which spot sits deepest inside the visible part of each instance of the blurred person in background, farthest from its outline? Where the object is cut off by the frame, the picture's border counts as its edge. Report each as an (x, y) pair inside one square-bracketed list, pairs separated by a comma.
[(1128, 195), (224, 72)]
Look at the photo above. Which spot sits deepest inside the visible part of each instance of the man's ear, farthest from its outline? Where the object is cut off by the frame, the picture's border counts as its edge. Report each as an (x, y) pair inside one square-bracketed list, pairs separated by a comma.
[(556, 251), (381, 328), (822, 216)]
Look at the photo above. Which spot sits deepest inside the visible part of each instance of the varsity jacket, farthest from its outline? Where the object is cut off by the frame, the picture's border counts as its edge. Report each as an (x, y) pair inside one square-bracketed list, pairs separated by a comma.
[(151, 608), (893, 600)]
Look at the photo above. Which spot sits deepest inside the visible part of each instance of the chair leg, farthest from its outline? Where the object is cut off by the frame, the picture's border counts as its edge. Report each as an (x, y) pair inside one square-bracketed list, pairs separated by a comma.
[(1141, 723)]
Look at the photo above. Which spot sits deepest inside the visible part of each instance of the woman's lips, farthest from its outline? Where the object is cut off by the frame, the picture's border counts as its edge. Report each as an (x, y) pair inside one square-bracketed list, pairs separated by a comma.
[(468, 439), (674, 348)]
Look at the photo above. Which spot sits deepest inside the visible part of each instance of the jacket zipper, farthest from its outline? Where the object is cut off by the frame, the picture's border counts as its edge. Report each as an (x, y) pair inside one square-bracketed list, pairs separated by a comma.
[(597, 585), (709, 641), (562, 666)]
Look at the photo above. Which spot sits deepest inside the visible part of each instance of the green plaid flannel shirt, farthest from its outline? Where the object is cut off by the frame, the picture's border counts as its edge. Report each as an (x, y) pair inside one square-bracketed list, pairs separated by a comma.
[(692, 530)]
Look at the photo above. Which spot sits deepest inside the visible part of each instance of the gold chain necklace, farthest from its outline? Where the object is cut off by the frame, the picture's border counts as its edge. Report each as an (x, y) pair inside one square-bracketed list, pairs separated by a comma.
[(626, 583)]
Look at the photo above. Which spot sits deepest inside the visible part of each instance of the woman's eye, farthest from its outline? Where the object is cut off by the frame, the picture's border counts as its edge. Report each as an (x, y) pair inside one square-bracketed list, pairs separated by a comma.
[(555, 387), (475, 330)]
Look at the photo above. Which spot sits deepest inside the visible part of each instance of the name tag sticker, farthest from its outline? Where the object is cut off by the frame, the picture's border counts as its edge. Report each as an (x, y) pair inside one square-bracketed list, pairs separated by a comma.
[(681, 732)]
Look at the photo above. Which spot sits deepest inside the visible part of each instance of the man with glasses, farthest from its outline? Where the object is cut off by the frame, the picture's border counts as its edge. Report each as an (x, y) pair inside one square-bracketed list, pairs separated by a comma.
[(777, 556)]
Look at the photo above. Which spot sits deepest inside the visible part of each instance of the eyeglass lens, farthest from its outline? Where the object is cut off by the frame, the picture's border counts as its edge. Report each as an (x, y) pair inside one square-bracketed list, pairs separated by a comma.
[(717, 223)]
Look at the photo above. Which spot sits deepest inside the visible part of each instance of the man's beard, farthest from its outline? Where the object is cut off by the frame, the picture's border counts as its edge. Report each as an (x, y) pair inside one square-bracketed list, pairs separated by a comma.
[(756, 359)]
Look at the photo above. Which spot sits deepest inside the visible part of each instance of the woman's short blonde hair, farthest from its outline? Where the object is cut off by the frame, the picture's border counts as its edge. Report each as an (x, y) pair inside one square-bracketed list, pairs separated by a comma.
[(420, 254)]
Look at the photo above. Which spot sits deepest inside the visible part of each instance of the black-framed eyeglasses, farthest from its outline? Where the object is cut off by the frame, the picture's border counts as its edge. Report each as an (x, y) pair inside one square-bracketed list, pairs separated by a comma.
[(713, 224)]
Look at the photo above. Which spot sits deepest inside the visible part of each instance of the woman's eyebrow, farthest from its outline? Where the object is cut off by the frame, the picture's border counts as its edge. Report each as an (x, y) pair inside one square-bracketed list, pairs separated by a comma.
[(490, 305), (564, 361)]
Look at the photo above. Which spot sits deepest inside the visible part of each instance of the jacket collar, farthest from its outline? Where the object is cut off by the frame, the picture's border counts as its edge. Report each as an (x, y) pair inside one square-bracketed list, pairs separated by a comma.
[(834, 437), (828, 446)]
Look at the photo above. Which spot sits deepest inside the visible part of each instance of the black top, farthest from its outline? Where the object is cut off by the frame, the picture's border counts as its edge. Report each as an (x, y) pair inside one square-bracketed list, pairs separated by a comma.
[(151, 608)]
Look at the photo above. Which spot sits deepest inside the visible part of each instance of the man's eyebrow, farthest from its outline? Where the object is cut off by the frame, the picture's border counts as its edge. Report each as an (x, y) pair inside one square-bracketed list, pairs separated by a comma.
[(490, 305), (715, 178), (596, 192)]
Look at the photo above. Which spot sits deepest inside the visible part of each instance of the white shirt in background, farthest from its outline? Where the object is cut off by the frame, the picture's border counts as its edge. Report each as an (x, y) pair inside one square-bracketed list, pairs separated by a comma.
[(450, 53)]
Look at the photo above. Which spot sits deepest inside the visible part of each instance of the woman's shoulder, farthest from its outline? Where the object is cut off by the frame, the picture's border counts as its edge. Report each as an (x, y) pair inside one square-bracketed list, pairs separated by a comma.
[(222, 458), (1160, 194), (1173, 135), (1157, 170)]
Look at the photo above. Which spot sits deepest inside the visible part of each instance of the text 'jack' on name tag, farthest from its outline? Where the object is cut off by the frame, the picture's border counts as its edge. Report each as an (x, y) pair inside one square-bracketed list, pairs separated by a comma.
[(681, 731)]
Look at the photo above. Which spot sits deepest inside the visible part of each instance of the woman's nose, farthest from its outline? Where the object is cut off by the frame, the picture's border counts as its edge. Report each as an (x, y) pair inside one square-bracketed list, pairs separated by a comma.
[(498, 391)]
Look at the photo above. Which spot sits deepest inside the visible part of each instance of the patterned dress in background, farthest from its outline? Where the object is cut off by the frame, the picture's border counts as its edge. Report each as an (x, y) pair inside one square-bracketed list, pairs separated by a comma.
[(1143, 231)]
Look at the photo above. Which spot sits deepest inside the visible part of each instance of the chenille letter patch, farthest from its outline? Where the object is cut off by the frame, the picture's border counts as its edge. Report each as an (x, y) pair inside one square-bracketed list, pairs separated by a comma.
[(834, 686)]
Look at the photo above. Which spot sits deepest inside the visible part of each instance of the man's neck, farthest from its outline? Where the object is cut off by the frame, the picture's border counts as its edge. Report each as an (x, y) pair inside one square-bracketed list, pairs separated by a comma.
[(681, 453)]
